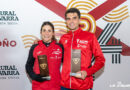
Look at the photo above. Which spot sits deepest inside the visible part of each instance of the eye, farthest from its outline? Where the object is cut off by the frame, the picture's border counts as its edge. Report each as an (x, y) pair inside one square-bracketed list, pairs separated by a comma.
[(43, 30), (74, 17), (67, 18), (49, 30)]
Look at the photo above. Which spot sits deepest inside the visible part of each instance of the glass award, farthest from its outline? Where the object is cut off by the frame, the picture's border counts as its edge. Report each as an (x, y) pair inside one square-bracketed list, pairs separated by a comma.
[(75, 62)]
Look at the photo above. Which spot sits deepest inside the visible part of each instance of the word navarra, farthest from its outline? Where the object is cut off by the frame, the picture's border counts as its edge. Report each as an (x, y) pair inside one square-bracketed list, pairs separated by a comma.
[(8, 16), (8, 70)]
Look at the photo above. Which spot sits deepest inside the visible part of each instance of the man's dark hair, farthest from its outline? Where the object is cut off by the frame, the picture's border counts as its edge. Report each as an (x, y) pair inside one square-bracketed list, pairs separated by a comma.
[(72, 10)]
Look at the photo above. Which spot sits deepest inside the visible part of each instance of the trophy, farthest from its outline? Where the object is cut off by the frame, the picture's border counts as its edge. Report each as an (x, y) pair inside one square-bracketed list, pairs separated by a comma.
[(43, 66), (75, 62)]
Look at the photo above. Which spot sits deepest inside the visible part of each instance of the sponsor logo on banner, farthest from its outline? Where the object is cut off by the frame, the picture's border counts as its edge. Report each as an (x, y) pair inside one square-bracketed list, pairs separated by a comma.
[(29, 40), (7, 43), (120, 84), (9, 72), (8, 18)]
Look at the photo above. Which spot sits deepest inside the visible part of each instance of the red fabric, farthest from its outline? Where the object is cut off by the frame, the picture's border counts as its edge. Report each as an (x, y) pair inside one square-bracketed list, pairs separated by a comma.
[(54, 56), (89, 46)]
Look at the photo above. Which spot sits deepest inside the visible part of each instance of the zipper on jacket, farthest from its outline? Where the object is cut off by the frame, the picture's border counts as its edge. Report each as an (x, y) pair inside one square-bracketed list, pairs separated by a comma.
[(71, 57)]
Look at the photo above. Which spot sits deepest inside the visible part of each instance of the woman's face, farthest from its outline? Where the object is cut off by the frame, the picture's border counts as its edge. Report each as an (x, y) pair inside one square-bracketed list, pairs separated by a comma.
[(47, 33)]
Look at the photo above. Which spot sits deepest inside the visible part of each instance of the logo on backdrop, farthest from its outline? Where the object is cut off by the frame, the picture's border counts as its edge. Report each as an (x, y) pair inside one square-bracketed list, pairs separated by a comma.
[(28, 40), (89, 9), (8, 18), (7, 43), (119, 84), (9, 72)]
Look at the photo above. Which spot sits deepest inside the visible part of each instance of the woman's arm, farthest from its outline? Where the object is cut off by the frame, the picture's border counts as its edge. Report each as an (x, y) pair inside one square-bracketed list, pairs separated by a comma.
[(30, 64)]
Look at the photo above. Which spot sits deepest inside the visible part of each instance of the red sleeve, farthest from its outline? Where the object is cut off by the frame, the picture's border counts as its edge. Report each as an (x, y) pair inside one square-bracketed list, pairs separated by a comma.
[(99, 57)]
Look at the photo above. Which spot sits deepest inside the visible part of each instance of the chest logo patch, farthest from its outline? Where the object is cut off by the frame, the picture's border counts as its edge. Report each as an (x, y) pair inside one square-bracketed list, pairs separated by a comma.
[(39, 52), (82, 43)]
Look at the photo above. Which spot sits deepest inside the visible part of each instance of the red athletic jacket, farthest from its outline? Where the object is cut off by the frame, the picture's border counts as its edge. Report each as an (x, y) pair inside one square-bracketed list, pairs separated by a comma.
[(88, 44), (54, 56)]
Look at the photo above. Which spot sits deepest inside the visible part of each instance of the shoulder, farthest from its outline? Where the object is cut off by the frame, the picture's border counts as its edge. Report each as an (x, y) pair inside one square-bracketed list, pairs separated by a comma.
[(59, 45), (33, 46), (88, 33), (65, 35)]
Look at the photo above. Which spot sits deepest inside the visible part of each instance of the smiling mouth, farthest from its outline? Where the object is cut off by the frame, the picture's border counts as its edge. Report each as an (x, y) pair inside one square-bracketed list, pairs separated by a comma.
[(72, 24), (46, 36)]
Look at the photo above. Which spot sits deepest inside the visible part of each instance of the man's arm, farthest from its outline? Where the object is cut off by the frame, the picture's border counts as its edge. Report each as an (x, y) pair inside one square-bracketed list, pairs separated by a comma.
[(99, 60), (99, 57)]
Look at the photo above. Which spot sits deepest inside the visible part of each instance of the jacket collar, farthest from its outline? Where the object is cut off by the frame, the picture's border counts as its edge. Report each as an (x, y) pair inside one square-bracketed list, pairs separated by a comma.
[(42, 44)]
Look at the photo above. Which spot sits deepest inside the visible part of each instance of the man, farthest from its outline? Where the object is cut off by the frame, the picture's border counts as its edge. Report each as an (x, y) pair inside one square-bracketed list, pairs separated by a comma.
[(85, 41)]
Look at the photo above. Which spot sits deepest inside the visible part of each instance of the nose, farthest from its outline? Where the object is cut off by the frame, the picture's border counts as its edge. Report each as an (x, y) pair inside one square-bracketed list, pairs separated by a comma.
[(71, 20), (46, 32)]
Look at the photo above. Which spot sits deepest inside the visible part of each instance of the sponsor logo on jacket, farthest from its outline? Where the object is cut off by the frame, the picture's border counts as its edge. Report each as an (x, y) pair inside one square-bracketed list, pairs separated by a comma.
[(82, 43)]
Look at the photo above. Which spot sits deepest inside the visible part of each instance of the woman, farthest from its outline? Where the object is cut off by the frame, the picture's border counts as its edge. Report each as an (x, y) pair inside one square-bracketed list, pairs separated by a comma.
[(47, 46)]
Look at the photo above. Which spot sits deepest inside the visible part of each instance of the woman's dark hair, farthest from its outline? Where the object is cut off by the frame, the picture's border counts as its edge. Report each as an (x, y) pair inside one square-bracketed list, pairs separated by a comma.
[(52, 26), (72, 10)]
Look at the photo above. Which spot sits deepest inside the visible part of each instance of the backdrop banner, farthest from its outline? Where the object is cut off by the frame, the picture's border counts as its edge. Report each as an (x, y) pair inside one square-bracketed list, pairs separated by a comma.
[(20, 22)]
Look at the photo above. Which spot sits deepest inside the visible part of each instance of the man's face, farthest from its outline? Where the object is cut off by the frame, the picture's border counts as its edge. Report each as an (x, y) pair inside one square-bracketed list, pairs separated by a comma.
[(72, 21)]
